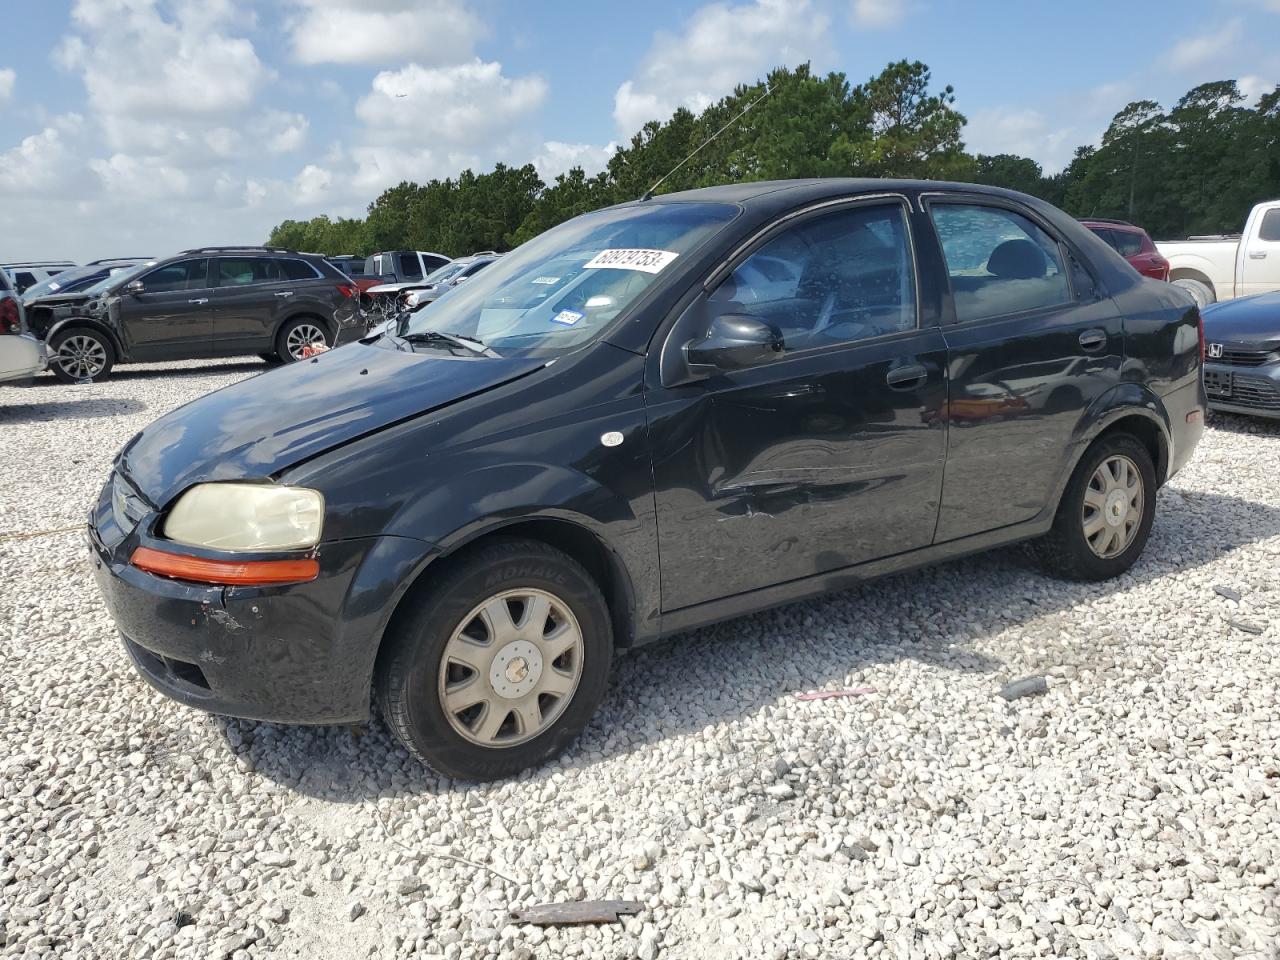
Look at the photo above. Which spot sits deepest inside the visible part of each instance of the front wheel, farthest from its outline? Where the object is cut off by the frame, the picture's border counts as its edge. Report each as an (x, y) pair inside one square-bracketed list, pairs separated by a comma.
[(1106, 512), (81, 355), (500, 665), (298, 338)]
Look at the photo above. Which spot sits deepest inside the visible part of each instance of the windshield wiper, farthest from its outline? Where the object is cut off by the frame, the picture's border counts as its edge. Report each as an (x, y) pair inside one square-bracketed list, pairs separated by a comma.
[(438, 336)]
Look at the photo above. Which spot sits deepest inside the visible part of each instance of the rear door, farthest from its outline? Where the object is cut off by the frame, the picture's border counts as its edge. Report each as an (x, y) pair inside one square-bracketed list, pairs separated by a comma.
[(171, 318), (1031, 345), (831, 455), (245, 304)]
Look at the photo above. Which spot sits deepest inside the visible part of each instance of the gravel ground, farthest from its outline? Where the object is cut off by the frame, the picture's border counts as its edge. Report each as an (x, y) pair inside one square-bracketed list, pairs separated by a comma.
[(1131, 811)]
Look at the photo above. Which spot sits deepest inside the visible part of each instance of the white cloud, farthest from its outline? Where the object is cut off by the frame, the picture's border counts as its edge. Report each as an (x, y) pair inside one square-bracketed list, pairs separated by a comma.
[(382, 31), (281, 132), (1205, 48), (312, 183), (126, 177), (458, 106), (1026, 132), (878, 13), (1253, 86), (721, 46), (557, 158), (40, 161), (7, 79)]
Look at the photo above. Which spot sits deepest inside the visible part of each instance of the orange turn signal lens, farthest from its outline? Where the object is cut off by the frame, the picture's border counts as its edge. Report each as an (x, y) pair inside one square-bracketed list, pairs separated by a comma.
[(232, 573)]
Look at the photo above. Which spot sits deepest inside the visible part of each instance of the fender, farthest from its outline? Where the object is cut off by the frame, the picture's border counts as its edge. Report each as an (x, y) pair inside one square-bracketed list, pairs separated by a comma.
[(93, 323), (1123, 400)]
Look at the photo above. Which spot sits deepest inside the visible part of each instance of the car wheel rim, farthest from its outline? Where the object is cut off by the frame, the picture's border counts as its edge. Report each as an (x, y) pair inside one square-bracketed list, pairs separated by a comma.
[(82, 357), (302, 336), (1113, 502), (511, 668)]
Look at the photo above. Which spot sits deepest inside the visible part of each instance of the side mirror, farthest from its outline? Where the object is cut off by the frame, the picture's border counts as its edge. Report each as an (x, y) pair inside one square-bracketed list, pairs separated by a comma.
[(134, 287), (734, 342)]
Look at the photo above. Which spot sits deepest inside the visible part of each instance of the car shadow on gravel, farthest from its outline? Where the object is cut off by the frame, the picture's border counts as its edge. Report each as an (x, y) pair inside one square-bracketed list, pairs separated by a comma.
[(94, 408), (1244, 426), (732, 670)]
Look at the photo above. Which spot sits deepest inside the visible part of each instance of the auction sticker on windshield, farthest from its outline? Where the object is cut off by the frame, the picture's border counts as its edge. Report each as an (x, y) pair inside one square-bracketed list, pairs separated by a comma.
[(567, 317), (646, 261)]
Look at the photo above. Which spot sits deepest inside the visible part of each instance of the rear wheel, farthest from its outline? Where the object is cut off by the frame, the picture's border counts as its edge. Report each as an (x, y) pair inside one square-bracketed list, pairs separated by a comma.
[(297, 336), (1106, 512), (81, 355), (1200, 292), (500, 666)]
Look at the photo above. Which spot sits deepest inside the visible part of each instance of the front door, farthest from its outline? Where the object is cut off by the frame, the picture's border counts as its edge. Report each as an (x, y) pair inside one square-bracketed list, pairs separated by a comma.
[(1260, 257), (171, 318), (1031, 346), (830, 455)]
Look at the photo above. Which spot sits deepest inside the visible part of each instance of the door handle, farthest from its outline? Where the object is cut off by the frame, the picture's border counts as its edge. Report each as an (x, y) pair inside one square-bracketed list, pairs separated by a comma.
[(1093, 339), (202, 300), (1258, 255), (906, 377), (285, 293)]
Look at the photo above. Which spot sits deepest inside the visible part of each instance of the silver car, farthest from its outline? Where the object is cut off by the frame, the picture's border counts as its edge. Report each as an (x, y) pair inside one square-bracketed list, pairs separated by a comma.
[(21, 355)]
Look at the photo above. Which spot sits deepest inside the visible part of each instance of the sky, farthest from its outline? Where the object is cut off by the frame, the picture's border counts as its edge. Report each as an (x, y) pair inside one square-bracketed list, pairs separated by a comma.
[(141, 127)]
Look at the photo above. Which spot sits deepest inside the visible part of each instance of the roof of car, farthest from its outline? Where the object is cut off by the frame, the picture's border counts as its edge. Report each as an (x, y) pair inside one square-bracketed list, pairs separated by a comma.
[(820, 188)]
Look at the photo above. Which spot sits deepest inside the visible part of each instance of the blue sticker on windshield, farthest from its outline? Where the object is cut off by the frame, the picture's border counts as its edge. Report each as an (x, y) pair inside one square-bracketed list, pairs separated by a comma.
[(567, 317)]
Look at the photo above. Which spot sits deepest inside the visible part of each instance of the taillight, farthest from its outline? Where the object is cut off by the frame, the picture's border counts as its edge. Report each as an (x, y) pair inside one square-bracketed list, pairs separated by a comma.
[(10, 320), (348, 290)]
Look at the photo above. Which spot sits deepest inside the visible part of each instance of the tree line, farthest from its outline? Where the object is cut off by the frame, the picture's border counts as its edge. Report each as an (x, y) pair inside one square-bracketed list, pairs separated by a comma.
[(1196, 168)]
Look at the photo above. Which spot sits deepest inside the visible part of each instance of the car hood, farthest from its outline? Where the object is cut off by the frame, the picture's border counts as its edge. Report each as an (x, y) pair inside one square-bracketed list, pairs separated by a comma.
[(261, 426), (1246, 319), (56, 299)]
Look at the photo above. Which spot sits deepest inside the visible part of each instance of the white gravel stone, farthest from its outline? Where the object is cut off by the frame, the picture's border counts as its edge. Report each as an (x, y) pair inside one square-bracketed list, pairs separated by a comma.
[(1130, 811)]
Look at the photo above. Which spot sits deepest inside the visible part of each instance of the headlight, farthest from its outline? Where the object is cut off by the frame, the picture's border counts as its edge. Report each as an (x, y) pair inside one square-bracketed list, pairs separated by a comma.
[(247, 516)]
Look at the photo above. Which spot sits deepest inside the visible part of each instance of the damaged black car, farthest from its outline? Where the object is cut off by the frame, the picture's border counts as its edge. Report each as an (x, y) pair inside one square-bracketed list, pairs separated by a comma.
[(649, 418)]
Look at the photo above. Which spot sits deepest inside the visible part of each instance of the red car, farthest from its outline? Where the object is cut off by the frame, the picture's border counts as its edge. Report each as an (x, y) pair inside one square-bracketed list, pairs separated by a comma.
[(1133, 244)]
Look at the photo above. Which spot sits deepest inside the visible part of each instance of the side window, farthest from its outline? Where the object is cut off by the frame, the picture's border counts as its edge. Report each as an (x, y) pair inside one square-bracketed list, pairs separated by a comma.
[(832, 279), (22, 279), (295, 270), (1269, 229), (410, 269), (999, 262), (183, 275), (242, 271), (1107, 237)]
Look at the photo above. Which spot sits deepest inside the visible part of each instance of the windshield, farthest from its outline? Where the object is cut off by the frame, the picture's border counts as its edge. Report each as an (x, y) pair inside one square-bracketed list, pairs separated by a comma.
[(67, 281), (563, 288), (440, 274), (120, 276)]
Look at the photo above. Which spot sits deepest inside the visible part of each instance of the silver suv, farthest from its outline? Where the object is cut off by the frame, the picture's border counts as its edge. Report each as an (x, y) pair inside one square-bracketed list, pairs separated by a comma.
[(21, 356)]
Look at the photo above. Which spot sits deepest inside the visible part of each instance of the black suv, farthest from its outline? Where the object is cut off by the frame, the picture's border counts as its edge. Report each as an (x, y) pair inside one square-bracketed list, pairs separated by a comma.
[(278, 304), (649, 418)]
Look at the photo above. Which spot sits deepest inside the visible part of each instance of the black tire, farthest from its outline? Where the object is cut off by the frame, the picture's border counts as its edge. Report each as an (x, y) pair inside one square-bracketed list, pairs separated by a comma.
[(283, 338), (1065, 551), (1200, 291), (88, 355), (409, 673)]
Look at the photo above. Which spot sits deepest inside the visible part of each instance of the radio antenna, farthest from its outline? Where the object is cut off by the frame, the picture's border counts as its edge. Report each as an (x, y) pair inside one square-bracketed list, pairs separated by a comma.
[(648, 194)]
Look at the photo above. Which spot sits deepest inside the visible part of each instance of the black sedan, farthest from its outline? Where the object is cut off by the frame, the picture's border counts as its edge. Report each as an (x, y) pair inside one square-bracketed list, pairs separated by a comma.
[(1242, 355), (649, 418)]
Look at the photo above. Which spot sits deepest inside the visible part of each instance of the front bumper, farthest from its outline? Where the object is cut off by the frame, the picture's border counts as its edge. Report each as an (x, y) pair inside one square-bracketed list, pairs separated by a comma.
[(1252, 391), (301, 653)]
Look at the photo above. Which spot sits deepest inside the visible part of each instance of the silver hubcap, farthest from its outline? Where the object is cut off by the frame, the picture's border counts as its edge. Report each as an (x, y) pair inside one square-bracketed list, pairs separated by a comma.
[(82, 357), (302, 336), (511, 667), (1112, 507)]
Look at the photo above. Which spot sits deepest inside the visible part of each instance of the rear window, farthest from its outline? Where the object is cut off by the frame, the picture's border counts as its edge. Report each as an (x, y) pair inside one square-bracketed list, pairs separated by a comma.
[(1129, 244), (296, 270), (1270, 228)]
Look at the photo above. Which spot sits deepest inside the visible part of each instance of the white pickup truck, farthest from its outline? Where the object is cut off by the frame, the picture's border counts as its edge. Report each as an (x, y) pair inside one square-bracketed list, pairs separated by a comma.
[(1222, 268)]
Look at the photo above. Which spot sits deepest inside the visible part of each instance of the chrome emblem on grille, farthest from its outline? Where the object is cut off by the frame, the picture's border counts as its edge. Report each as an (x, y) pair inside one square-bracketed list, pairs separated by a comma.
[(1215, 350)]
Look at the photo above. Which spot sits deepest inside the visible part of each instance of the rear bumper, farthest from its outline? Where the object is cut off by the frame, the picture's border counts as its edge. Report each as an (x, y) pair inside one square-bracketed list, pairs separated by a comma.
[(1251, 391), (21, 356)]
